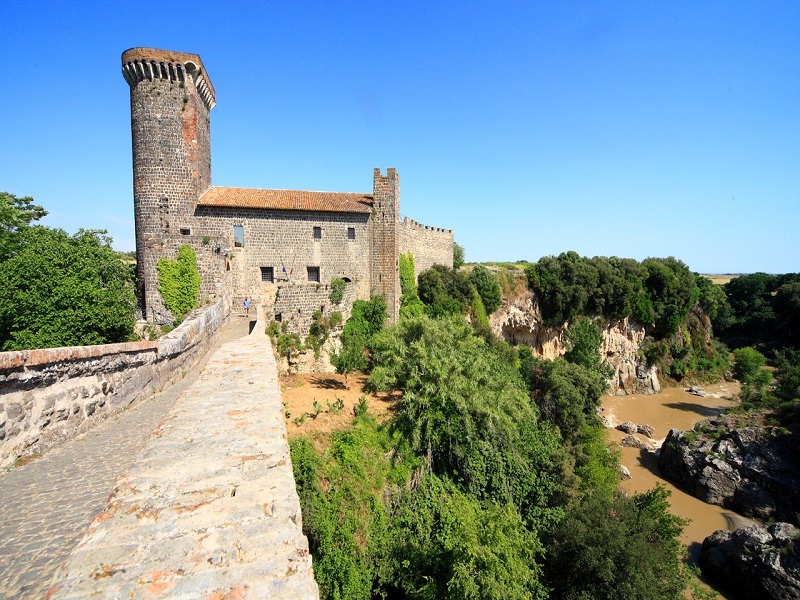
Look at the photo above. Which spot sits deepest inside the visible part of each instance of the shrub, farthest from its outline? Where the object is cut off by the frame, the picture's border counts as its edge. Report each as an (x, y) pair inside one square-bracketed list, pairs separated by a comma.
[(337, 289), (747, 362)]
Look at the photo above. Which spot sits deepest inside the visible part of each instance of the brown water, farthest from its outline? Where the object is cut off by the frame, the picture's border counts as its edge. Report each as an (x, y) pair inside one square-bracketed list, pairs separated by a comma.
[(672, 408)]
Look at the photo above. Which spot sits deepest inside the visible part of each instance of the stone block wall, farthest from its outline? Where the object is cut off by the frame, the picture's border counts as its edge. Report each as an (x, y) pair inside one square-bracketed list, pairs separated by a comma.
[(280, 238), (50, 396), (295, 304), (429, 245), (171, 97), (384, 257)]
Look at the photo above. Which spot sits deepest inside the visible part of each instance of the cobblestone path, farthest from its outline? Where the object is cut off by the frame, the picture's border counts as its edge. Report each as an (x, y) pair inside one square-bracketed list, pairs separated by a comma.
[(46, 505)]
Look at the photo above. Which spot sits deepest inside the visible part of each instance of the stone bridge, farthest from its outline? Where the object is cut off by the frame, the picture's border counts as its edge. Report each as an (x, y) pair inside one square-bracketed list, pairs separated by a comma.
[(188, 493)]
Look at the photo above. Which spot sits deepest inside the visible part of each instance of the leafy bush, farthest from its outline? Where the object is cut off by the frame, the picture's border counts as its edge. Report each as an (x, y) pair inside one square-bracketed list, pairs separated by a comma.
[(567, 394), (179, 282), (747, 363), (346, 521), (337, 289), (366, 319), (446, 544)]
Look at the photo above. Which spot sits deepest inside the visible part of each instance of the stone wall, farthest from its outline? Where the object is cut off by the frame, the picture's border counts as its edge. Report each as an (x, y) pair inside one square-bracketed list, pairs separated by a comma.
[(384, 261), (50, 396), (282, 238), (429, 245), (210, 507), (171, 97), (296, 304)]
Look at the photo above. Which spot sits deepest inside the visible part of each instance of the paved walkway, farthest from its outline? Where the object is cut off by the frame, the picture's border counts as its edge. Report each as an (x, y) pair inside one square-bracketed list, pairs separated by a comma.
[(209, 508), (46, 506)]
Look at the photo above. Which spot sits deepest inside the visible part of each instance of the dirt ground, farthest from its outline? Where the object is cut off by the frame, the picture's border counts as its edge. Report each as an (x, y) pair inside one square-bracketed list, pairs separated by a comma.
[(301, 390)]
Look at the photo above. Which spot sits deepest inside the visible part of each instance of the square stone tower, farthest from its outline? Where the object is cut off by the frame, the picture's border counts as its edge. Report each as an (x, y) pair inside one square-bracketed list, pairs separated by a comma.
[(384, 246)]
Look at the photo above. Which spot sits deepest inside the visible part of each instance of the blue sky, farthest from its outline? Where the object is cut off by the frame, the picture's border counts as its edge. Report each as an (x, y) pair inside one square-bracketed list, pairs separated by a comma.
[(632, 129)]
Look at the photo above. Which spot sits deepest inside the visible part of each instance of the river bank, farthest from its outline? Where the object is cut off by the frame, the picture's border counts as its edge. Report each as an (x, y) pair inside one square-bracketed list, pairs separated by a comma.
[(672, 408)]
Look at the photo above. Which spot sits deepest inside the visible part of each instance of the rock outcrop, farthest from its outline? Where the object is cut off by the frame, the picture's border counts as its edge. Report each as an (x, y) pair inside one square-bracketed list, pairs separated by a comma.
[(519, 321), (752, 470), (755, 562)]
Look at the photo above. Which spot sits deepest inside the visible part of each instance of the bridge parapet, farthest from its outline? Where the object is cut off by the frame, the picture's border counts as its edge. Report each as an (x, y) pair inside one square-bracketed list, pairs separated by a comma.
[(52, 395), (209, 509)]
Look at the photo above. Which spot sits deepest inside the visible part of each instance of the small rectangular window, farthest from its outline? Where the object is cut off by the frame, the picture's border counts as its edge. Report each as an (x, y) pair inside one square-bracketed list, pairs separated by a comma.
[(186, 231), (317, 233), (267, 274), (313, 274), (351, 233), (238, 236)]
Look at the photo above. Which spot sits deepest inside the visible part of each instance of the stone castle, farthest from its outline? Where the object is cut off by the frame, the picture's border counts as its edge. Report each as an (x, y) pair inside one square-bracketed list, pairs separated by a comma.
[(281, 248)]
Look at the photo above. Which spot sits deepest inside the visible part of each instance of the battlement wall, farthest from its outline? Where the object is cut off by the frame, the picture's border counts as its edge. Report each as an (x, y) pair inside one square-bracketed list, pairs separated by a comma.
[(429, 245), (49, 396)]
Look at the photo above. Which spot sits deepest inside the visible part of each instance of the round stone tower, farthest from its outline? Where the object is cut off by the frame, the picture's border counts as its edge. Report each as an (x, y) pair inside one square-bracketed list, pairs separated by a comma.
[(171, 97)]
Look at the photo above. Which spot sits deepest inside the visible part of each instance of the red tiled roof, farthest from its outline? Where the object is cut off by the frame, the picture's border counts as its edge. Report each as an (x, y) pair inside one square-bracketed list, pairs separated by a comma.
[(286, 199)]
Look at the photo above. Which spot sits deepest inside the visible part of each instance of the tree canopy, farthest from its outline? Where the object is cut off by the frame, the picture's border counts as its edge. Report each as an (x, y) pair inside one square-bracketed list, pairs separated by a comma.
[(658, 293), (62, 290), (15, 213)]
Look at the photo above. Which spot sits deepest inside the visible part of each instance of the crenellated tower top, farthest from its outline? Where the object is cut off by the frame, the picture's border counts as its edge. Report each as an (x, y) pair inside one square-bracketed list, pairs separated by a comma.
[(151, 63)]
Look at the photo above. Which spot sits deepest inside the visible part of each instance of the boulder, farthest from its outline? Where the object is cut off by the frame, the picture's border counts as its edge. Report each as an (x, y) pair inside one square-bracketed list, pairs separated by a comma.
[(755, 562), (631, 441), (645, 429), (748, 469), (628, 427), (623, 472)]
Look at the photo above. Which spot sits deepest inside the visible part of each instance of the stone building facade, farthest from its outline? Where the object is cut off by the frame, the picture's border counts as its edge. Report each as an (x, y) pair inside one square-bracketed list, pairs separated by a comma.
[(281, 248)]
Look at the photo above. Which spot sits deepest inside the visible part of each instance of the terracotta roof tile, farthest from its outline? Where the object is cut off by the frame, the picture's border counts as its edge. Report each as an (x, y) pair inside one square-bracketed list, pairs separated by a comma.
[(286, 200)]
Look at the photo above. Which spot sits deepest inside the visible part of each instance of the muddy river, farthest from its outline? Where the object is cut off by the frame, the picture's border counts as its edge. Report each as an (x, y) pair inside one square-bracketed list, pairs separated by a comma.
[(673, 407)]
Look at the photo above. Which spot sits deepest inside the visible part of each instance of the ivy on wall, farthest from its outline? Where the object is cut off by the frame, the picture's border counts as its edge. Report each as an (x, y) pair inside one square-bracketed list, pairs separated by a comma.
[(179, 282)]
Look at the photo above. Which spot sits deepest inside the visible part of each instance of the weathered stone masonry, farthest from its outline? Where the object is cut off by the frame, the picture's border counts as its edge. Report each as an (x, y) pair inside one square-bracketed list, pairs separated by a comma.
[(314, 236), (50, 396)]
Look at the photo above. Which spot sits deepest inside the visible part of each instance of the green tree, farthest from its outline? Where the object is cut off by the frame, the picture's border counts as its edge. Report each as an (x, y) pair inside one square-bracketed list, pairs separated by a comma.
[(366, 320), (747, 365), (445, 291), (458, 255), (567, 394), (62, 290), (445, 544), (468, 413), (488, 288), (15, 213), (612, 546), (179, 282), (349, 357), (583, 340)]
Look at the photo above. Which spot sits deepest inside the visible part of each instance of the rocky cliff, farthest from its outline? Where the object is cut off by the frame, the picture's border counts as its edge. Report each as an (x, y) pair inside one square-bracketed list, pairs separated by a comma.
[(748, 467), (755, 562), (519, 321)]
